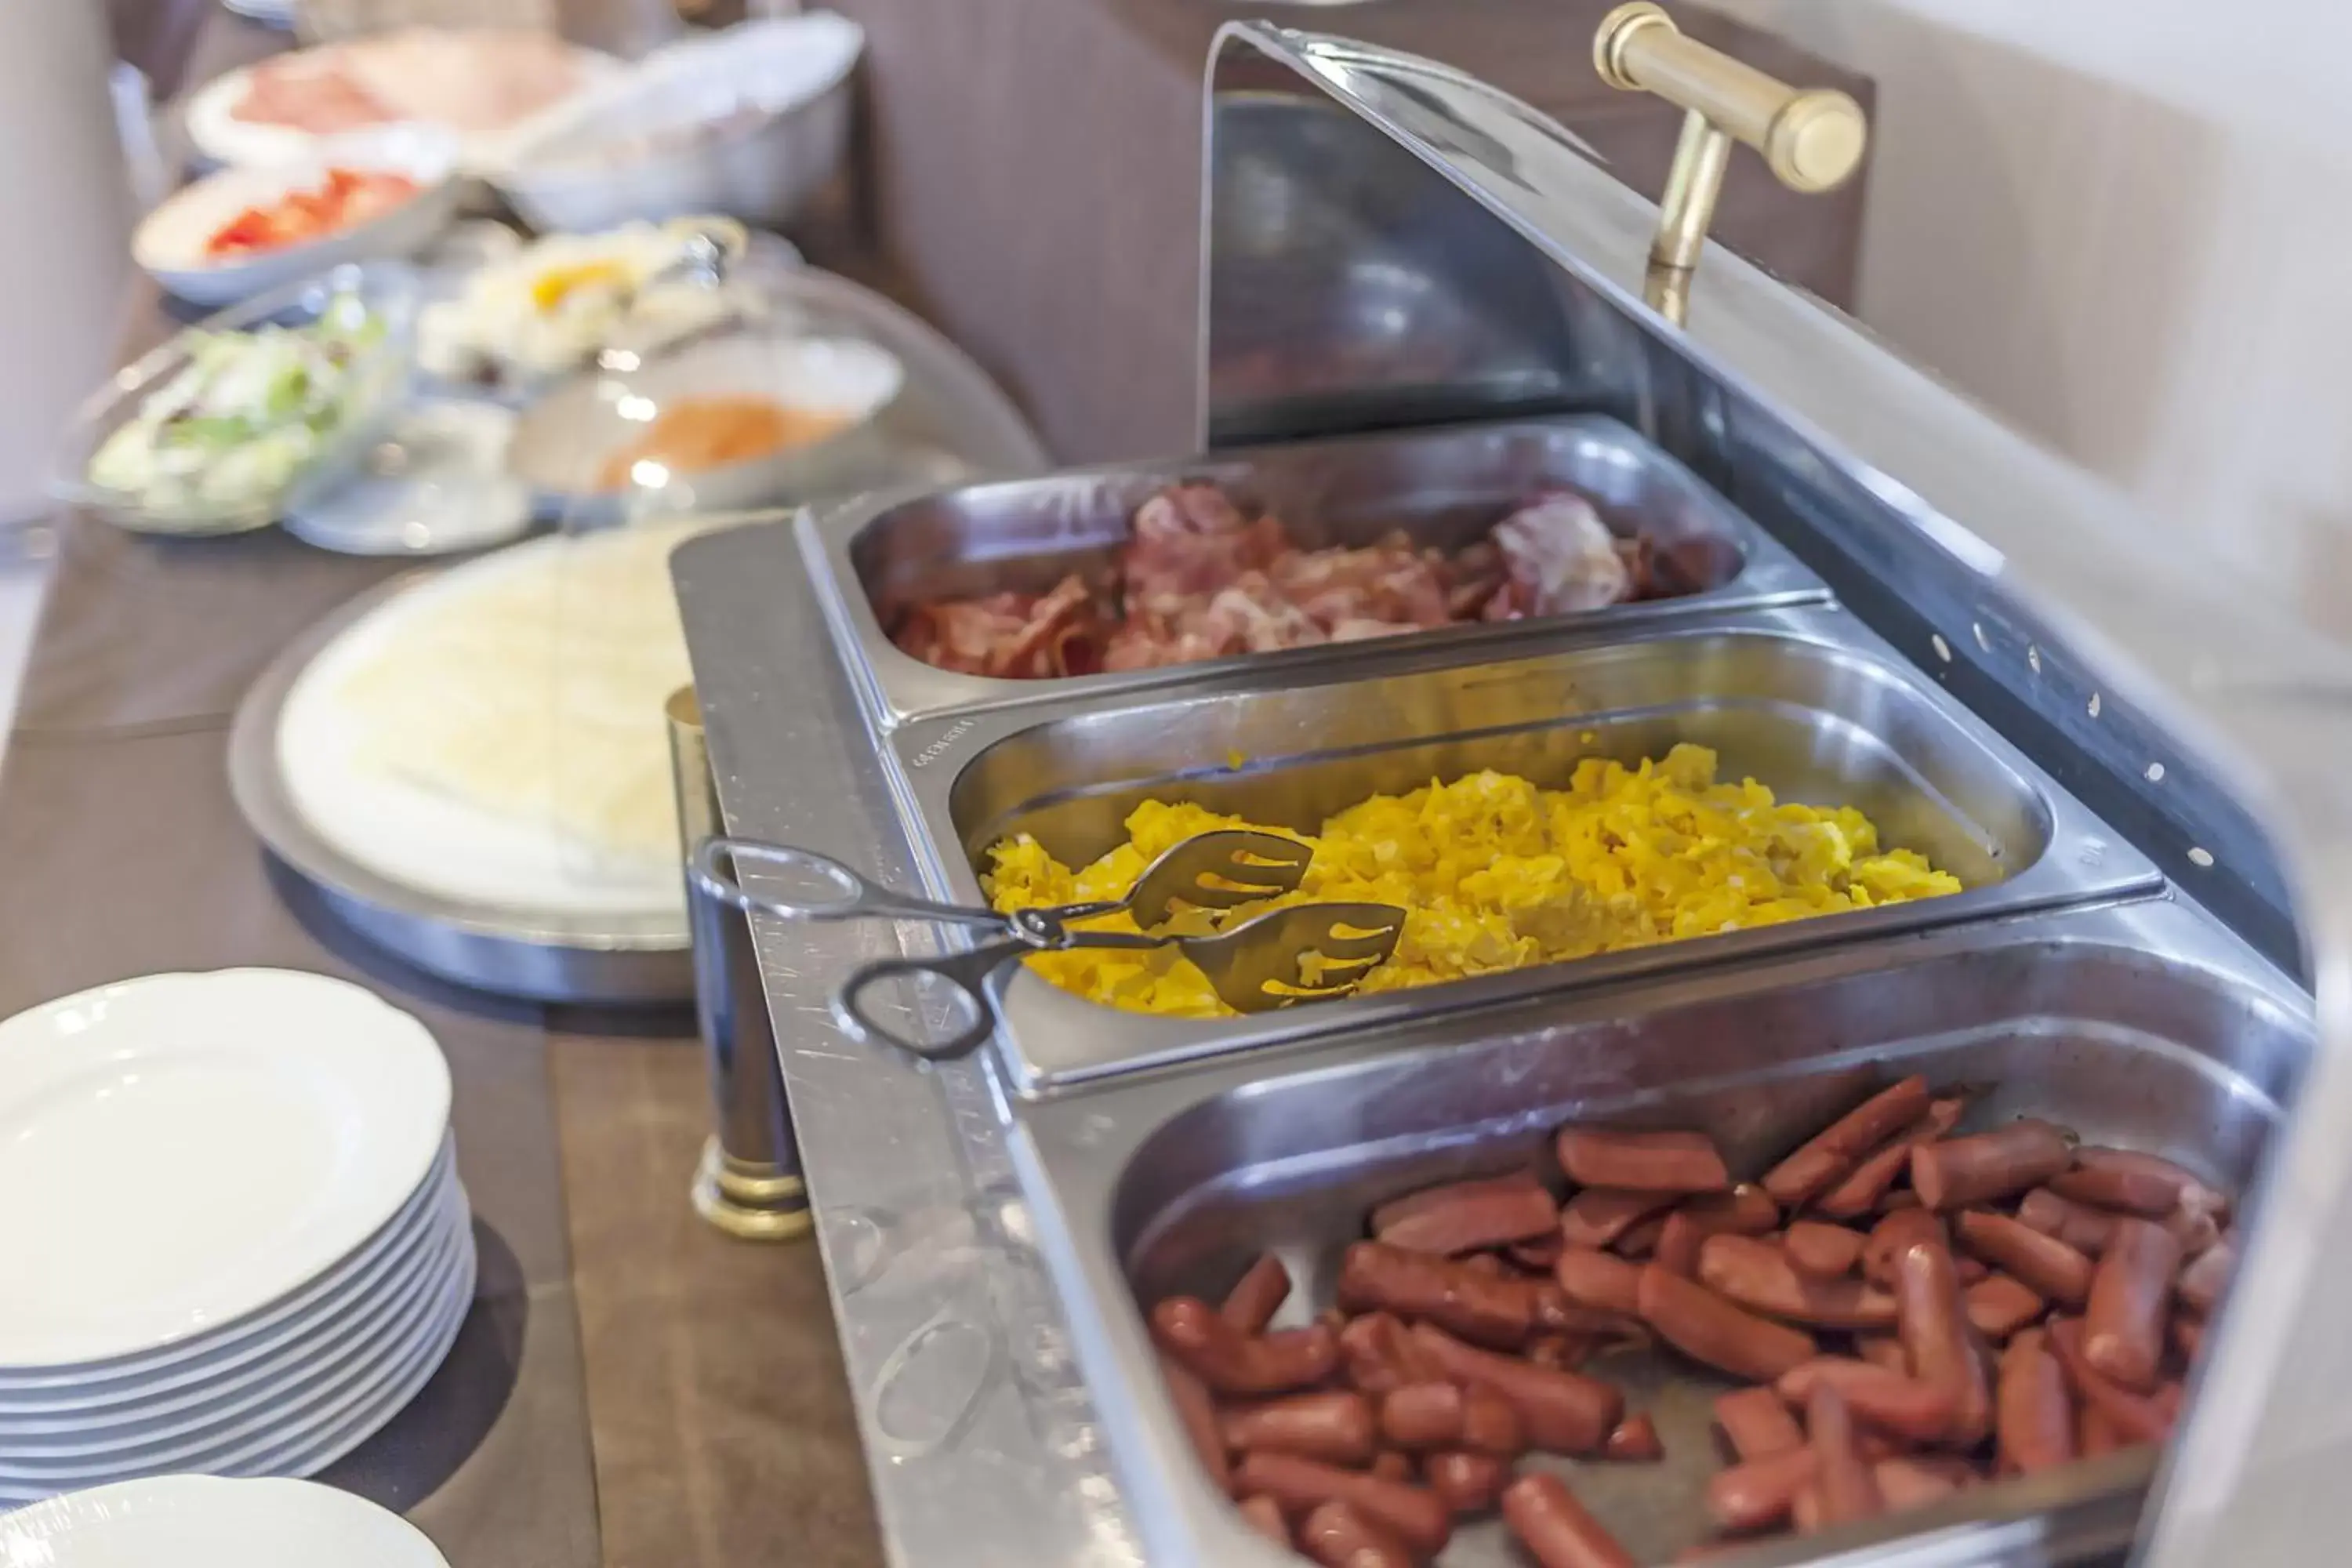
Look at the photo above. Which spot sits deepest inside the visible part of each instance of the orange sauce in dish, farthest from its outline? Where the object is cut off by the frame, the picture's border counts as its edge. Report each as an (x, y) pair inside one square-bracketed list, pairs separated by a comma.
[(696, 433)]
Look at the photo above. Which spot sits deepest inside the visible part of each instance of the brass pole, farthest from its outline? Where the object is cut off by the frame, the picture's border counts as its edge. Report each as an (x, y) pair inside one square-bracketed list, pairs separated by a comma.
[(1812, 138)]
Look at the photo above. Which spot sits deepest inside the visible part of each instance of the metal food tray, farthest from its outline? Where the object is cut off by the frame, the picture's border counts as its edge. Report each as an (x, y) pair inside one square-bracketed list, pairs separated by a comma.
[(1803, 698), (2142, 1025), (1443, 487), (604, 958)]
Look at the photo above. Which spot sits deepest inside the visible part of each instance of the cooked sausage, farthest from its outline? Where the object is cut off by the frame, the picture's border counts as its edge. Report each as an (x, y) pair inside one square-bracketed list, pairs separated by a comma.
[(2080, 1226), (1374, 1277), (1264, 1516), (1934, 1328), (1705, 1327), (1198, 1412), (1642, 1241), (1862, 1189), (1893, 1402), (1904, 1483), (1602, 1280), (1486, 1265), (1257, 1296), (1231, 1362), (1757, 1423), (1339, 1535), (1598, 1216), (1634, 1442), (1556, 1528), (1893, 1235), (1823, 1251), (1538, 1255), (1833, 1153), (1883, 1351), (1448, 1415), (2044, 1263), (1464, 1216), (1960, 1173), (2130, 1418), (2033, 1419), (1997, 1306), (1375, 1352), (1757, 1494), (2123, 1325), (1673, 1163), (2132, 1182), (1392, 1466), (2188, 1338), (2202, 1282), (1335, 1427), (1760, 1276), (1415, 1513), (1746, 1210), (1559, 1411), (1468, 1482), (1849, 1492)]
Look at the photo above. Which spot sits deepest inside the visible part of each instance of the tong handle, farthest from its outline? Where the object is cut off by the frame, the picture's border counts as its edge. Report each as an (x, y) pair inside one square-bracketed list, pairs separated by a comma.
[(840, 894), (966, 974)]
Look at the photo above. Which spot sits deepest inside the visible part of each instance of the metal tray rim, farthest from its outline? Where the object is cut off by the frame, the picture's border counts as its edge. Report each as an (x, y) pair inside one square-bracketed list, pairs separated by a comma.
[(498, 950), (2083, 862), (1771, 575)]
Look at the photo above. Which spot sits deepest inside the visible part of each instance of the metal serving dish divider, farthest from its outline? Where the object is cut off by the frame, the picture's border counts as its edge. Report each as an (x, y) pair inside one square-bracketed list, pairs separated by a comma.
[(2141, 1024), (1802, 697), (1443, 487)]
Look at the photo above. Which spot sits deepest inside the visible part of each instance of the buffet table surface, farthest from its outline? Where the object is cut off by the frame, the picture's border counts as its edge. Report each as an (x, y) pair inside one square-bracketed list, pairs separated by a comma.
[(631, 1387)]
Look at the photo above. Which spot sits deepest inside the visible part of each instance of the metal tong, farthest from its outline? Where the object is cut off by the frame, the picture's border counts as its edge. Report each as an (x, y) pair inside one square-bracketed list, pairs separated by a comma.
[(1254, 968)]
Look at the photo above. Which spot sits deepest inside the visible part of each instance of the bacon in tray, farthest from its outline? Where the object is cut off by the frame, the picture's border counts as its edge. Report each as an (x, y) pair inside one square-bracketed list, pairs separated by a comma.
[(1199, 580)]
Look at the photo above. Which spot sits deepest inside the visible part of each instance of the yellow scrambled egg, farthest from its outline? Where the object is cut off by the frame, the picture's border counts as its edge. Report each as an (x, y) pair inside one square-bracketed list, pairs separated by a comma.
[(1494, 873)]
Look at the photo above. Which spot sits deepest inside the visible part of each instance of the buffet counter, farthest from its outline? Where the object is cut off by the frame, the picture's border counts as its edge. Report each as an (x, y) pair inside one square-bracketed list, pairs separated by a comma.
[(604, 1403)]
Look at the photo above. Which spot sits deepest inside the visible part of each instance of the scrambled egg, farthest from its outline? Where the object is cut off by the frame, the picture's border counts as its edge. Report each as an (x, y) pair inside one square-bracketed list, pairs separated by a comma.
[(1494, 873)]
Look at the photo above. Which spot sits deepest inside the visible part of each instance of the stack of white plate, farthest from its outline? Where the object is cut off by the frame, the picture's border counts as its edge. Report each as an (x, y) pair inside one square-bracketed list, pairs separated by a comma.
[(237, 1241), (196, 1521)]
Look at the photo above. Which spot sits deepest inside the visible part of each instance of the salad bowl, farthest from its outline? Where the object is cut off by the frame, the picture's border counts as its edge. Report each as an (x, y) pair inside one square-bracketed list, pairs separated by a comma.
[(251, 413)]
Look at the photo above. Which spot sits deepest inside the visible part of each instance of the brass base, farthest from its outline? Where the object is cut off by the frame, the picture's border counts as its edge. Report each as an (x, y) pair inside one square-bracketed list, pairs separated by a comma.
[(749, 1203)]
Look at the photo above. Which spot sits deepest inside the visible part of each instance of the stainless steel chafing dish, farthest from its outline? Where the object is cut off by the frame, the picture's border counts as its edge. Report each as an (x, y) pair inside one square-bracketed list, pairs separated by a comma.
[(2136, 769)]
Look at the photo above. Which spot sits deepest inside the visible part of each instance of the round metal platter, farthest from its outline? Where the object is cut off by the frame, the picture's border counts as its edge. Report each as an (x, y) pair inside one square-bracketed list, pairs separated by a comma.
[(604, 958)]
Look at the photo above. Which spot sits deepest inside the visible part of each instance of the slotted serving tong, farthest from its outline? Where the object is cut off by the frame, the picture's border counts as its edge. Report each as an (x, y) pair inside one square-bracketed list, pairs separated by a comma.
[(1254, 968)]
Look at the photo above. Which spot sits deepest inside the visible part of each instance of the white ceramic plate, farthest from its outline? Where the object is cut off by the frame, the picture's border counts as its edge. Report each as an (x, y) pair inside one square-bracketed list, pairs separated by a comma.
[(314, 1401), (180, 1407), (432, 841), (215, 131), (390, 1255), (200, 1521), (178, 1151), (170, 241)]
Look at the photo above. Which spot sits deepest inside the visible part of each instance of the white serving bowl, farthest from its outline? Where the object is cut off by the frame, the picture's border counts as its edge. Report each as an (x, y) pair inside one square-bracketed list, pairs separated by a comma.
[(562, 441), (750, 122), (170, 243)]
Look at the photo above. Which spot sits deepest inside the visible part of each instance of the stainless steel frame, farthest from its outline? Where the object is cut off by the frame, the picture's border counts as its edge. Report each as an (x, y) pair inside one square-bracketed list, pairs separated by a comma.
[(1392, 242), (1804, 698), (1445, 487), (1154, 1187)]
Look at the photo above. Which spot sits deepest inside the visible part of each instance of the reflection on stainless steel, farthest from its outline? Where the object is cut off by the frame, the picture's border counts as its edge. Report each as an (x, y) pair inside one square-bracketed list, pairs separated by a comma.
[(2144, 1025), (1443, 488), (1803, 699), (749, 1182)]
